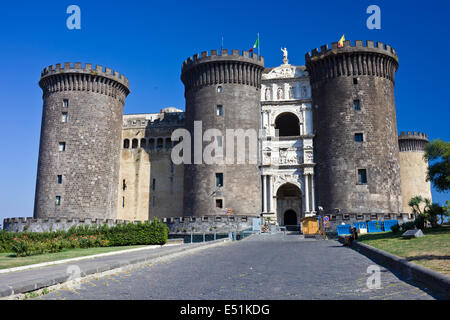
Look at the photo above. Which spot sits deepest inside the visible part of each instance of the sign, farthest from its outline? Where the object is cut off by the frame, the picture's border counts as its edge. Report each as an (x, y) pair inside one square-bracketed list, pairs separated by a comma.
[(228, 211), (326, 221)]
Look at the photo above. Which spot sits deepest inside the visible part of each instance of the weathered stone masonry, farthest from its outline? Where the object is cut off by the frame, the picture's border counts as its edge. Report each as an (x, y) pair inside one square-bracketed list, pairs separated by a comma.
[(83, 148)]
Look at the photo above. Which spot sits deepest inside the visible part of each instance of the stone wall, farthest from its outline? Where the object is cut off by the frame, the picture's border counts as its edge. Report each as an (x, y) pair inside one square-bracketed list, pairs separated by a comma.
[(54, 224), (78, 167), (232, 81), (339, 76), (209, 224)]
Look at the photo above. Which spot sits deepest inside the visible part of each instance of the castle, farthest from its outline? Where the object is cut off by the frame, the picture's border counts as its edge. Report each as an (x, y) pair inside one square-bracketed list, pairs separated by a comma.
[(328, 141)]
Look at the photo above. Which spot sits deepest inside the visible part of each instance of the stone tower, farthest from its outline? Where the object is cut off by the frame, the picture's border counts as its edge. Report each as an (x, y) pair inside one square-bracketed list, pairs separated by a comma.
[(356, 141), (223, 92), (79, 152), (413, 167)]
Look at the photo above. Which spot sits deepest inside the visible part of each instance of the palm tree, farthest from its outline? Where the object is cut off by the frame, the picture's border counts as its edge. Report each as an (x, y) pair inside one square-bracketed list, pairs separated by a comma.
[(414, 203)]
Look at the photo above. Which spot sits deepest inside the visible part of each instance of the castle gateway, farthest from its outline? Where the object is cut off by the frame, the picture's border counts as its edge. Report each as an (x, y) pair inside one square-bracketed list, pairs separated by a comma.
[(327, 139)]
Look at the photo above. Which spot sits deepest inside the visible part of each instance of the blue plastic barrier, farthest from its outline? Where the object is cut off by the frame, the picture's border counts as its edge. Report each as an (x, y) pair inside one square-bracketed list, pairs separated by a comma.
[(359, 225), (343, 229), (375, 226), (388, 224)]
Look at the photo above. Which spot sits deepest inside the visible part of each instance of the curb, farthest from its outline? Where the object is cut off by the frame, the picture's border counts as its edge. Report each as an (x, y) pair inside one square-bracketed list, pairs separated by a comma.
[(59, 278), (411, 271), (93, 256)]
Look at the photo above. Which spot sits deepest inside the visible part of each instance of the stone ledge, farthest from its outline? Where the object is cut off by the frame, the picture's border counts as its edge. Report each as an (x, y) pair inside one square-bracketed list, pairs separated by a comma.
[(435, 280)]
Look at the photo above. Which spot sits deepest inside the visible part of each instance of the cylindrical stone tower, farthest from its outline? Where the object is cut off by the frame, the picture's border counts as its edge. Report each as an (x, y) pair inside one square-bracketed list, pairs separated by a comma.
[(356, 141), (223, 92), (78, 167), (413, 167)]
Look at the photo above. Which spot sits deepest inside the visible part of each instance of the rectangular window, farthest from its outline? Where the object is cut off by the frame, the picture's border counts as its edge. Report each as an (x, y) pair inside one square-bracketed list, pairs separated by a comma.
[(219, 110), (356, 104), (219, 203), (62, 146), (362, 176), (58, 200), (59, 179), (153, 184), (153, 202), (219, 179), (64, 117), (359, 137), (123, 202), (124, 185), (355, 80), (66, 103)]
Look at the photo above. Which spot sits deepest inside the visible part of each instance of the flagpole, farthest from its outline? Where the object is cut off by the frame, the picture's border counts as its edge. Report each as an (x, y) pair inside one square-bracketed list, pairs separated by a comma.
[(259, 53)]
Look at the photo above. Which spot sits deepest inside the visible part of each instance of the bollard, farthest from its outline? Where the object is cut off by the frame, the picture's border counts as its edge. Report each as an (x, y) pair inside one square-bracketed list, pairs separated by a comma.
[(203, 236), (215, 232), (192, 237)]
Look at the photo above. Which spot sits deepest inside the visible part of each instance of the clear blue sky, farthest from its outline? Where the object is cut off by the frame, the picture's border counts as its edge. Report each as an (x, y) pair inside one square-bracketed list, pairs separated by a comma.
[(148, 41)]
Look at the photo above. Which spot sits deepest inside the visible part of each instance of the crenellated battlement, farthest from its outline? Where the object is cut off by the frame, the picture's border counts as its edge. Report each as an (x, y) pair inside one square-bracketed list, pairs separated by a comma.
[(357, 46), (77, 67), (358, 59), (413, 135), (223, 55), (55, 223), (412, 141)]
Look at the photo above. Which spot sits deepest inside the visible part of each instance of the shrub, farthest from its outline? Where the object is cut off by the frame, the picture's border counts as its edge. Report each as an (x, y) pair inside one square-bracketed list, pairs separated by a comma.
[(407, 226), (395, 228), (31, 243)]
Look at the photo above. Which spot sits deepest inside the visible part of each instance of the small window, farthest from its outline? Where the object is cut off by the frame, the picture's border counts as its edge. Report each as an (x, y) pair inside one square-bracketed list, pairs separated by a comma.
[(359, 137), (124, 185), (66, 103), (219, 110), (134, 144), (219, 203), (123, 202), (219, 89), (64, 117), (143, 143), (62, 146), (126, 143), (153, 201), (355, 80), (219, 179), (59, 179), (153, 184), (356, 104), (362, 176), (58, 200)]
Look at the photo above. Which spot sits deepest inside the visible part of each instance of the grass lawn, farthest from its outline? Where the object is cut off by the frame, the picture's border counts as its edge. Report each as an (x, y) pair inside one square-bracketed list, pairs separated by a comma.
[(8, 260), (431, 251)]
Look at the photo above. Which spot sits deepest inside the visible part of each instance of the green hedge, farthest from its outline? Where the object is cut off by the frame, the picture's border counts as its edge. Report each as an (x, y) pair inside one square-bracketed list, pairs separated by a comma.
[(147, 233)]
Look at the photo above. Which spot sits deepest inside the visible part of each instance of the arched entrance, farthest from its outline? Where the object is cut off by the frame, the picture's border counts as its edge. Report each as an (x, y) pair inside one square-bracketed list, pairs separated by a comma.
[(290, 218), (289, 206), (287, 125)]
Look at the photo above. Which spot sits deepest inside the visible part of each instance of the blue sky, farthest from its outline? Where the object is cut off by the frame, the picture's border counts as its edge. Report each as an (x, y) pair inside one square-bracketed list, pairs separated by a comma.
[(148, 41)]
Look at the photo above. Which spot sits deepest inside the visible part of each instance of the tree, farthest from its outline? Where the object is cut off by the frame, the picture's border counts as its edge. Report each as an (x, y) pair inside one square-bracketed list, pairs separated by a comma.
[(429, 213), (438, 154), (414, 203)]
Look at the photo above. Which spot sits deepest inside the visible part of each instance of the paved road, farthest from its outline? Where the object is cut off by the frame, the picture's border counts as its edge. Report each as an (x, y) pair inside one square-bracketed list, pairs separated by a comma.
[(260, 267)]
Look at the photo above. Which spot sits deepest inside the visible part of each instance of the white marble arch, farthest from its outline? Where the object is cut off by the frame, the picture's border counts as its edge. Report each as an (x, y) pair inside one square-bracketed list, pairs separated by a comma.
[(295, 111), (281, 180)]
